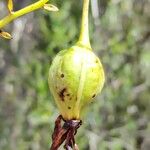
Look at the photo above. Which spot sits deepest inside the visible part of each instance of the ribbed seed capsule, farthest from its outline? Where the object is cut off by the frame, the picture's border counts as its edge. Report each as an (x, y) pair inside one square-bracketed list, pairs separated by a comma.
[(76, 76)]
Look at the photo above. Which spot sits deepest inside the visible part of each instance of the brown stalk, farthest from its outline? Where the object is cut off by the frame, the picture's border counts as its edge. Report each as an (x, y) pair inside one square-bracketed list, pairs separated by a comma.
[(65, 133)]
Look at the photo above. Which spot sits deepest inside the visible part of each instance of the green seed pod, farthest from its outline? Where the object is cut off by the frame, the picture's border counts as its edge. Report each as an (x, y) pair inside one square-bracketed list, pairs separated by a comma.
[(76, 76)]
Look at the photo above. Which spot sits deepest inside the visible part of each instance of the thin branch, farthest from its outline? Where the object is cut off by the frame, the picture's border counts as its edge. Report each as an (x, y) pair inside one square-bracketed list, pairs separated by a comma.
[(6, 20)]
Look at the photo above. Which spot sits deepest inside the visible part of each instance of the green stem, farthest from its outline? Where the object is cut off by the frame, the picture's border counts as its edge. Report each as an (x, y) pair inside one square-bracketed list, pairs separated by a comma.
[(84, 33), (28, 9)]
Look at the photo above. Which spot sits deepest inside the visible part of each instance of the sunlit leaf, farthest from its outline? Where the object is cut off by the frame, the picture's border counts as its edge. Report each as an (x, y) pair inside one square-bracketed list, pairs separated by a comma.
[(5, 35), (10, 5), (50, 7)]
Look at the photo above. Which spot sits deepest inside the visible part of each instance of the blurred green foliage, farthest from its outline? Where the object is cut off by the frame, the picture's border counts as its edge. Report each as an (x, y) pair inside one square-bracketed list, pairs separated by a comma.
[(119, 119)]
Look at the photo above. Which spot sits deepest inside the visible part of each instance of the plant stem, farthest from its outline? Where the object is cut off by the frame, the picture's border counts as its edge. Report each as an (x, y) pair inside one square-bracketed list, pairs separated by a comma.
[(28, 9), (84, 33)]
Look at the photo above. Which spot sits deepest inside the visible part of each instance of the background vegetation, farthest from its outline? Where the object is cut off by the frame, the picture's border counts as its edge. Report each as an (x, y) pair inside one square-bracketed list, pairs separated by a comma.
[(120, 35)]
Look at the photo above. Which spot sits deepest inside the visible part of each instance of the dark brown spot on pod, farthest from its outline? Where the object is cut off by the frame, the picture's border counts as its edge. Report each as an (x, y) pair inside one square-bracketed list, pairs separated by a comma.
[(68, 94), (69, 107), (62, 75), (62, 94), (93, 95)]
